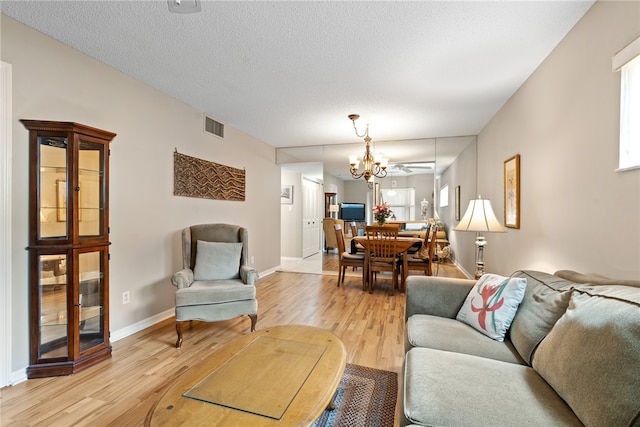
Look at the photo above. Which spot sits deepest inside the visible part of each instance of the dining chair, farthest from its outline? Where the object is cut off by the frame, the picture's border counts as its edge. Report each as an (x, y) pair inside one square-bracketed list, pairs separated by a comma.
[(424, 258), (382, 253), (347, 259), (355, 246)]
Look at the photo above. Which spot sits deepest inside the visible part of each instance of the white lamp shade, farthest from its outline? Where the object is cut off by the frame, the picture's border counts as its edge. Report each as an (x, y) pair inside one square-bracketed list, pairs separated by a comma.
[(480, 217)]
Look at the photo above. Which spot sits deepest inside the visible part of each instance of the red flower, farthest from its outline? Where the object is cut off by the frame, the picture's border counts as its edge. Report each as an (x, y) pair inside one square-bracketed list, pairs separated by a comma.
[(486, 292)]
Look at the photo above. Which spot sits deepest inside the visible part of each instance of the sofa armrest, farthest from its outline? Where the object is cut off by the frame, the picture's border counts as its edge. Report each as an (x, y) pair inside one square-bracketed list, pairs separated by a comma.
[(437, 296), (183, 278), (249, 275)]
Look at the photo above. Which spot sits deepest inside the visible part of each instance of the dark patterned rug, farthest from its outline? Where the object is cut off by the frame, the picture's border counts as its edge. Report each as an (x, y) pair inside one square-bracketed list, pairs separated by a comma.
[(365, 397)]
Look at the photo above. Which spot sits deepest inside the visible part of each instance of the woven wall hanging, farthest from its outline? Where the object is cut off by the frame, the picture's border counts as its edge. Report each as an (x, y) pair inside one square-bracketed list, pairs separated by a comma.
[(193, 177)]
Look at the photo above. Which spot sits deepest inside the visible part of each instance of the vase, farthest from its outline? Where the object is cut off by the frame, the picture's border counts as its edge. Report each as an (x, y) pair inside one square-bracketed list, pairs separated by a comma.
[(381, 221)]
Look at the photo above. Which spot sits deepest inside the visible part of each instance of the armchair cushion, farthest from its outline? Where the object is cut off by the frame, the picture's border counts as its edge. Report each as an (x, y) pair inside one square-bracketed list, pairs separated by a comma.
[(214, 292), (217, 261)]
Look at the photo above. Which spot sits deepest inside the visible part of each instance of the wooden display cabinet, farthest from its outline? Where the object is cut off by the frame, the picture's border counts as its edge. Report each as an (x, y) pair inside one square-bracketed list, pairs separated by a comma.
[(68, 247)]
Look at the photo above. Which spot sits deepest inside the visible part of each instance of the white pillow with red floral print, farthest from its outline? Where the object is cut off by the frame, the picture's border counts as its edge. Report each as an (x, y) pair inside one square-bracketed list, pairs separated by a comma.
[(492, 304)]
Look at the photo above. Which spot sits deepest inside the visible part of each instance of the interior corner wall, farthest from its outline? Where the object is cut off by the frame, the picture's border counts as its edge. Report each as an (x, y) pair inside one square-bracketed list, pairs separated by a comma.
[(576, 211), (462, 172), (328, 181), (52, 81)]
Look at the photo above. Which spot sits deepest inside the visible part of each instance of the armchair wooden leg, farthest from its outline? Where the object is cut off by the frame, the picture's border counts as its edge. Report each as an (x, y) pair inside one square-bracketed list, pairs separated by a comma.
[(179, 331), (254, 320)]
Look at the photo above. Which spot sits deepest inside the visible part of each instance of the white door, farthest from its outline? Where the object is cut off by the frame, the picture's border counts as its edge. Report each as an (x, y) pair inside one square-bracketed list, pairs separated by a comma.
[(311, 220)]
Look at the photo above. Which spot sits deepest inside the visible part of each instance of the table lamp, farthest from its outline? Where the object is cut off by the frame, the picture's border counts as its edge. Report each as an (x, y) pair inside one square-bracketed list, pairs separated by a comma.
[(480, 218), (333, 209)]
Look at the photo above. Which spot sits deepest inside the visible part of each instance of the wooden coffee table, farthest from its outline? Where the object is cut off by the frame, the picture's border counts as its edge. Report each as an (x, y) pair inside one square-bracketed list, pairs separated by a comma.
[(284, 375)]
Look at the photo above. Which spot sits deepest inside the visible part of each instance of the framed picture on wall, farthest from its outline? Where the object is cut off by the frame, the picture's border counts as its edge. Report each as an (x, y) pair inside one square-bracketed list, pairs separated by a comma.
[(286, 194), (512, 192)]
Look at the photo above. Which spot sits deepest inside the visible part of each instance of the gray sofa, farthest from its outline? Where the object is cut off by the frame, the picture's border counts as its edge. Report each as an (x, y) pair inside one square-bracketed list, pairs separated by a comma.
[(570, 357)]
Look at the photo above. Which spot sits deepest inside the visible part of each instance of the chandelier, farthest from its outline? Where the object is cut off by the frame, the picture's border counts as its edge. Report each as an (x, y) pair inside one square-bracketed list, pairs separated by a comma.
[(372, 166)]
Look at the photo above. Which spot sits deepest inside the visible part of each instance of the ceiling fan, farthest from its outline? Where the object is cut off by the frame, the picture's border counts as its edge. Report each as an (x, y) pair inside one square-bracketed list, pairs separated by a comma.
[(413, 167)]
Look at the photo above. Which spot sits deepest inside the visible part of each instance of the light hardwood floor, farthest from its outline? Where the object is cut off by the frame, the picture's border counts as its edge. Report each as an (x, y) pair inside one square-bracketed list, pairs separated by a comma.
[(120, 392)]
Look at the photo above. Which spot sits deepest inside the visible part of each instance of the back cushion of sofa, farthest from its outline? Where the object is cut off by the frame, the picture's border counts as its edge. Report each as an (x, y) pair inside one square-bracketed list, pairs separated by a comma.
[(591, 357), (545, 300), (594, 279)]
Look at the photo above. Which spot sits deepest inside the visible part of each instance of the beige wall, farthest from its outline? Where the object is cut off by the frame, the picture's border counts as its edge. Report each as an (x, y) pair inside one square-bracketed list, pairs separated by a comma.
[(54, 82), (462, 172), (577, 212)]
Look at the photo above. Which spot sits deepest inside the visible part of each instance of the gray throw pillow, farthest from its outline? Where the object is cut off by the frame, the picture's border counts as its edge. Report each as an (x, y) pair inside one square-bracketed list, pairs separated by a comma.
[(217, 261), (546, 299)]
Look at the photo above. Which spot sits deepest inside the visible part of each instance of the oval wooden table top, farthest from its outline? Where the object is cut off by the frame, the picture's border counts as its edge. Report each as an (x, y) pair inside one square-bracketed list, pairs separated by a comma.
[(283, 375)]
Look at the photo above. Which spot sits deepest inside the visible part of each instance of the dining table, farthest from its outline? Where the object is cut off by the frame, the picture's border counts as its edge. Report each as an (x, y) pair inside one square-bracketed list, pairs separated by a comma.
[(402, 246)]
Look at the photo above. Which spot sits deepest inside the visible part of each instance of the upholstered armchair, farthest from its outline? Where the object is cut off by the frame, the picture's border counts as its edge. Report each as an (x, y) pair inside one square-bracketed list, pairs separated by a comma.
[(216, 282), (328, 226)]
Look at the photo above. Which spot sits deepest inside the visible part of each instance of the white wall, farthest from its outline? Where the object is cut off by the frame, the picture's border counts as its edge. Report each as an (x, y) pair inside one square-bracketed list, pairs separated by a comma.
[(291, 218), (577, 212), (54, 82)]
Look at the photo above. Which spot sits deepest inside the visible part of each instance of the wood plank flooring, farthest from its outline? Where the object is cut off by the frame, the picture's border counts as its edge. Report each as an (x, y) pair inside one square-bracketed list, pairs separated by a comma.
[(120, 392)]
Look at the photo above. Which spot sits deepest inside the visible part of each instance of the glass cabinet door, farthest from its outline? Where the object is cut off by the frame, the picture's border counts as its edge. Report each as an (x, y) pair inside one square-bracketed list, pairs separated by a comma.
[(91, 297), (91, 191), (52, 189), (53, 318)]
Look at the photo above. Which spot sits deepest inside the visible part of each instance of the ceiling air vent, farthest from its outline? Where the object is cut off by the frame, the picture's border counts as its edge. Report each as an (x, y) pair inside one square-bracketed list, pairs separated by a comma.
[(213, 127)]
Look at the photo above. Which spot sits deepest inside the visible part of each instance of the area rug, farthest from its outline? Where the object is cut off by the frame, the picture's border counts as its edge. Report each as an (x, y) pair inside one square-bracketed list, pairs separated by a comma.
[(365, 397)]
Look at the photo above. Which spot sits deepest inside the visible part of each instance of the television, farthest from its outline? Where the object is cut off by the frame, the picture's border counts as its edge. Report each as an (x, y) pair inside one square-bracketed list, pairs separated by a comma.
[(352, 211)]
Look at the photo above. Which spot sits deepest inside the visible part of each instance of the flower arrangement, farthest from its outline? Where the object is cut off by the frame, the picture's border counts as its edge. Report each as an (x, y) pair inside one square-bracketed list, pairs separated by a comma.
[(381, 213)]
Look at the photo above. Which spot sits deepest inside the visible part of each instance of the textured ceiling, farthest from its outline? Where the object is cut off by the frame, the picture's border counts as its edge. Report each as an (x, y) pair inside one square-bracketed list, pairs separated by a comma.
[(289, 73)]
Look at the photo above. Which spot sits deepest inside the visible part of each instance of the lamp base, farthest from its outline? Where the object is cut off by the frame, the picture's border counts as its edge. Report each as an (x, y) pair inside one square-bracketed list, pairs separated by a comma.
[(480, 243)]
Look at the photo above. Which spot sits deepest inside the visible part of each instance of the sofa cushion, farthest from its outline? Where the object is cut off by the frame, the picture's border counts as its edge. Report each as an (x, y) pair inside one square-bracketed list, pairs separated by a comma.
[(217, 261), (492, 304), (453, 389), (214, 292), (441, 333), (591, 357), (546, 299)]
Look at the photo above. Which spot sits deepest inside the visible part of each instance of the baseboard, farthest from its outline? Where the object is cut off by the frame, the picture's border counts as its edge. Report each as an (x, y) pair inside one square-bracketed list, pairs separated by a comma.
[(18, 376), (268, 272), (466, 273), (141, 325)]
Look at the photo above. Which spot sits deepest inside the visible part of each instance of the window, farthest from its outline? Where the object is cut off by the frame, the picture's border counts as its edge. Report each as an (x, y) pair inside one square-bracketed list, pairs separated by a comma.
[(401, 201), (444, 196), (627, 61)]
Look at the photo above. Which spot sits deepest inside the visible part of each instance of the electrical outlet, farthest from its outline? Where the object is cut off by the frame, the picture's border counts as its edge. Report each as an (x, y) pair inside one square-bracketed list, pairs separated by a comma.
[(125, 297), (253, 260)]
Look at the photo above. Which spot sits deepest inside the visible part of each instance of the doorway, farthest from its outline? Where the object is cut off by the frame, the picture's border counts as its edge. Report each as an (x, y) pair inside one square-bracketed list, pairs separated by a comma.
[(311, 219)]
